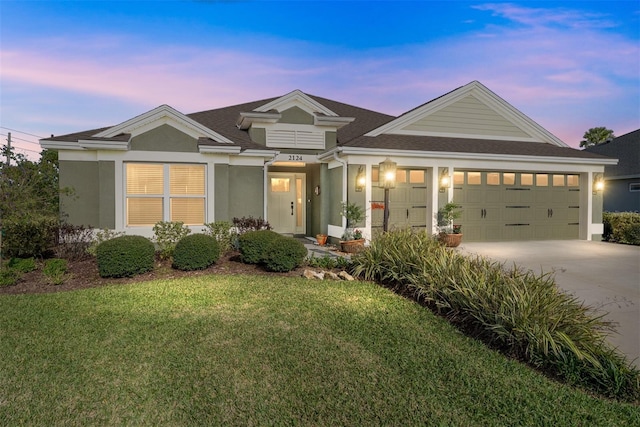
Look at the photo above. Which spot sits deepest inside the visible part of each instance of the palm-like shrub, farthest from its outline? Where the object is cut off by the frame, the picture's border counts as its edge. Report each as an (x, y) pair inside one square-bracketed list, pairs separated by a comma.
[(521, 313), (195, 252), (125, 256)]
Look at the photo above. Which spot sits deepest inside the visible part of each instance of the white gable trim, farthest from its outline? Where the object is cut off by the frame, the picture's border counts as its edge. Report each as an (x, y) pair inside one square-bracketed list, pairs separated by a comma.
[(161, 115), (483, 94), (299, 99)]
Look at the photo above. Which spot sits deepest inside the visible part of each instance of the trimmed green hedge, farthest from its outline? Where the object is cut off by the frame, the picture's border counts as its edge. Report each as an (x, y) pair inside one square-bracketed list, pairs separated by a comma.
[(195, 252), (125, 256), (253, 245), (622, 227), (284, 254)]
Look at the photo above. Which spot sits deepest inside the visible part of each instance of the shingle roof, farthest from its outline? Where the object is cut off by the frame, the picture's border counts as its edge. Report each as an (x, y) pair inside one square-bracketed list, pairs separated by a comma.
[(223, 121), (626, 149)]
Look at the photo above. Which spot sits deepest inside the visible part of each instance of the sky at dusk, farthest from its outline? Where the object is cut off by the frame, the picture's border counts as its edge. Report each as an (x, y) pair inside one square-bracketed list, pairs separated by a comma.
[(79, 65)]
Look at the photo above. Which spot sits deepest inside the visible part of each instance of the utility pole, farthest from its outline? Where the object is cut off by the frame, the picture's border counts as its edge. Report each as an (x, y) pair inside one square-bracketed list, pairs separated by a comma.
[(8, 148)]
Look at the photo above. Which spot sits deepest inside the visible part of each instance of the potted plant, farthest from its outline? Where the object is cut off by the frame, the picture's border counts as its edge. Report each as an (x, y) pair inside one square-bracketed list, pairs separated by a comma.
[(449, 234), (322, 239), (352, 240)]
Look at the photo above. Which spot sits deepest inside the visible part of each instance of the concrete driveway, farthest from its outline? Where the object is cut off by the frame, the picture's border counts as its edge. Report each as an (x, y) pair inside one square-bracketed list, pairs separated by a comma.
[(604, 275)]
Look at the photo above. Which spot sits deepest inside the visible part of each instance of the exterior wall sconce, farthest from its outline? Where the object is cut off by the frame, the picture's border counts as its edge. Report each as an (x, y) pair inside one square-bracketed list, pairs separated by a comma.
[(598, 183), (361, 179), (445, 180), (386, 180)]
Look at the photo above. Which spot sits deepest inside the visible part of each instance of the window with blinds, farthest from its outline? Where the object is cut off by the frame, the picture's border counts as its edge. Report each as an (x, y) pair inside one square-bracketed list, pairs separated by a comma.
[(165, 192)]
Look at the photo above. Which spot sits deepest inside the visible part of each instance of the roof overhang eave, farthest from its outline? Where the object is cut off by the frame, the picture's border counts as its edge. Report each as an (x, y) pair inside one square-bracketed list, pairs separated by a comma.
[(468, 156)]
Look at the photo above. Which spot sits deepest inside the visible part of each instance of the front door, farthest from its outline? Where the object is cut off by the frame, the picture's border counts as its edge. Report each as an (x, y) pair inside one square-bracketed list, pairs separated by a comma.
[(285, 203)]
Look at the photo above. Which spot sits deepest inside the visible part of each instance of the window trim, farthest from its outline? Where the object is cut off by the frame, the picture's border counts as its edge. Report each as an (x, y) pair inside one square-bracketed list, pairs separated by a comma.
[(166, 195)]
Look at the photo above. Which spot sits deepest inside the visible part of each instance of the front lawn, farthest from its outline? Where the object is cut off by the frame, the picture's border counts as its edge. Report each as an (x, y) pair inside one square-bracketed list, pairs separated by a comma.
[(263, 350)]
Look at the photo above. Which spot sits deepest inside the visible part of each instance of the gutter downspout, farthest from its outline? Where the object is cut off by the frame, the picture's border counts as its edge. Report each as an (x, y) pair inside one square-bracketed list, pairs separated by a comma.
[(344, 183)]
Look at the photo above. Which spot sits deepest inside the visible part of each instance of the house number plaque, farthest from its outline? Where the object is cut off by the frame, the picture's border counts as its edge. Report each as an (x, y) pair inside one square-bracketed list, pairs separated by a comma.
[(290, 157)]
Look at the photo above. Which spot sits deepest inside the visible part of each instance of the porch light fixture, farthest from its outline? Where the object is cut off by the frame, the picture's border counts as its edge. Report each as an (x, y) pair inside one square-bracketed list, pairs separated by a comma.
[(445, 180), (598, 183), (386, 180), (361, 179)]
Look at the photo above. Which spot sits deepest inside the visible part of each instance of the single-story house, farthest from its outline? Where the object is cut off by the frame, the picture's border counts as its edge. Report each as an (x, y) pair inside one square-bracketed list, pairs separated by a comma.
[(295, 158), (622, 181)]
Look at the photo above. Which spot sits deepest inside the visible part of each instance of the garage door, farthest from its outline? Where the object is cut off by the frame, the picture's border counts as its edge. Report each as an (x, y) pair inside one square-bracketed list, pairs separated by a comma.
[(407, 201), (500, 205)]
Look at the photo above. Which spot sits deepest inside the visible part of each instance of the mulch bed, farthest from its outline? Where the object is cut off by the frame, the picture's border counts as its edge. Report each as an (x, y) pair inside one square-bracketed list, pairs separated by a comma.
[(84, 274)]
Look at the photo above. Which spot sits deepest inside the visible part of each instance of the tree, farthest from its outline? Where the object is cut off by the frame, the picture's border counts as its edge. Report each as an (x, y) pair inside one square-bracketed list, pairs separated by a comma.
[(595, 136), (29, 203)]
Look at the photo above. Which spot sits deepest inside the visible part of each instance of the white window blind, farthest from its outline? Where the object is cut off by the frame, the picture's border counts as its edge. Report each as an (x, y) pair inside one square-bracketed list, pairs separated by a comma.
[(145, 178), (187, 180), (188, 210), (144, 211), (165, 192)]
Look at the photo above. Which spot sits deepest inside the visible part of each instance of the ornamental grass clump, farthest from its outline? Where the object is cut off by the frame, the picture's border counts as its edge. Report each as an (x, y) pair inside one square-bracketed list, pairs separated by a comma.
[(195, 252), (523, 314), (125, 256)]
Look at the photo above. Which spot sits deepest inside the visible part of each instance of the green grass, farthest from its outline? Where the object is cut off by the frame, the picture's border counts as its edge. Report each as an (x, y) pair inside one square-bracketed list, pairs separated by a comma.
[(244, 350)]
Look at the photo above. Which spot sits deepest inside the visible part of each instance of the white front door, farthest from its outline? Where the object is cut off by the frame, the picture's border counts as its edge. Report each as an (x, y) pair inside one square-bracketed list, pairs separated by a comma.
[(285, 203)]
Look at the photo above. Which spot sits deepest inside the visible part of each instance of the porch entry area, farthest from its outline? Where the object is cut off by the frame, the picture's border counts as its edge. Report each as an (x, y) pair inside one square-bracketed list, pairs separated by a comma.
[(286, 195)]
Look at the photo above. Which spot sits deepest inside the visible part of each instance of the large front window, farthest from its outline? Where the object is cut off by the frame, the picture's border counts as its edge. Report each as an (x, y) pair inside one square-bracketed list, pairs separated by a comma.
[(165, 192)]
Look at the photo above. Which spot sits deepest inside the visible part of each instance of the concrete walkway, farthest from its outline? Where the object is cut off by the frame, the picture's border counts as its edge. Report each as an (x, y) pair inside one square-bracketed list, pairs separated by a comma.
[(604, 275)]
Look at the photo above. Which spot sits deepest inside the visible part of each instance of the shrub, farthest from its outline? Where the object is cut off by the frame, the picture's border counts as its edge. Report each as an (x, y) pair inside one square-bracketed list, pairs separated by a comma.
[(521, 313), (55, 269), (246, 224), (167, 235), (328, 262), (22, 265), (125, 256), (621, 227), (29, 236), (8, 277), (195, 252), (284, 254), (102, 236), (223, 233), (73, 241), (253, 245)]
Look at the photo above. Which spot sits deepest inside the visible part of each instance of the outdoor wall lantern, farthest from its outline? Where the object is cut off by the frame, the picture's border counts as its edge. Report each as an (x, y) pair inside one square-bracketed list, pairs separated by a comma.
[(445, 180), (386, 180), (598, 183), (361, 179)]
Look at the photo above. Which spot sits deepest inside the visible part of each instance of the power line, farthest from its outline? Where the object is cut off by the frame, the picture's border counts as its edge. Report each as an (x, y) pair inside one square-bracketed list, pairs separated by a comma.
[(19, 131), (23, 140), (26, 149)]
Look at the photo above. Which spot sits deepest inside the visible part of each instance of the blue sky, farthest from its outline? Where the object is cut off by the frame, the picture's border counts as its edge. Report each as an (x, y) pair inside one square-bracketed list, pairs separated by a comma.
[(77, 65)]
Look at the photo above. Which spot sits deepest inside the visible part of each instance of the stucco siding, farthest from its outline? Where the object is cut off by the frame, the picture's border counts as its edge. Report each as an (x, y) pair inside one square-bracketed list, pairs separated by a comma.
[(165, 138), (107, 198), (467, 116), (82, 206), (258, 135), (221, 193), (246, 191)]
